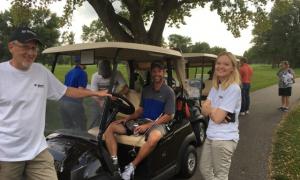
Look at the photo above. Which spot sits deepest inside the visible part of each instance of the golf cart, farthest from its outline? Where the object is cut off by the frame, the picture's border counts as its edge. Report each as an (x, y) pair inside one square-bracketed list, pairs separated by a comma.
[(83, 155), (198, 86)]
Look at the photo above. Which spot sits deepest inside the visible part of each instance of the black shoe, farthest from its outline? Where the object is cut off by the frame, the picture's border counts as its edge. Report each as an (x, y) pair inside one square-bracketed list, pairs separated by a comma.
[(117, 170), (285, 109)]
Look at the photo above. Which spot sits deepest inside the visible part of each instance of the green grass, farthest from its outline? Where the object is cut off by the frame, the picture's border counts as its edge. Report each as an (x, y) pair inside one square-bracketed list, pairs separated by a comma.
[(286, 155), (264, 75), (61, 70)]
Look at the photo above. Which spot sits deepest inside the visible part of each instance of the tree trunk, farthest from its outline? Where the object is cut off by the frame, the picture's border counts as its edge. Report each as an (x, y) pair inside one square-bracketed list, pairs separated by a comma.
[(109, 18), (134, 30)]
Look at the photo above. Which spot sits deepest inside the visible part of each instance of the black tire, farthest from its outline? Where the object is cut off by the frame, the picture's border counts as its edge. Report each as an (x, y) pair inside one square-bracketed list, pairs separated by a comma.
[(202, 132), (199, 129), (189, 162)]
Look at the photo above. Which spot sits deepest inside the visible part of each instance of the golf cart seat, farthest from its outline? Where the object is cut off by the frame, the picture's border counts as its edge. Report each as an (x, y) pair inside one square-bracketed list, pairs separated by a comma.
[(207, 87), (131, 140), (134, 97)]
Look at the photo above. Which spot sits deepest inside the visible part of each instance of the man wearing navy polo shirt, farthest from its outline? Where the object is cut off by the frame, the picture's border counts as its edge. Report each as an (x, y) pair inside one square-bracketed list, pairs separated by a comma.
[(158, 105), (71, 109)]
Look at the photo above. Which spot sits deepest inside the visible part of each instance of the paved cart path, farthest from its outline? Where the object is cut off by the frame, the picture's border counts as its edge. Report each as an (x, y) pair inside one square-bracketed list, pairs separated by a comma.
[(250, 161)]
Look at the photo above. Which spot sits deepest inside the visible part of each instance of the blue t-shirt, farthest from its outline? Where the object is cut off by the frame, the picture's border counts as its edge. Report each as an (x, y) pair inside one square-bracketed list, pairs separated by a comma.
[(76, 77), (155, 103)]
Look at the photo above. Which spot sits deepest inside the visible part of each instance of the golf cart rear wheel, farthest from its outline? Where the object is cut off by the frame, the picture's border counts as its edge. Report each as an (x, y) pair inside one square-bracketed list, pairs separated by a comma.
[(189, 162)]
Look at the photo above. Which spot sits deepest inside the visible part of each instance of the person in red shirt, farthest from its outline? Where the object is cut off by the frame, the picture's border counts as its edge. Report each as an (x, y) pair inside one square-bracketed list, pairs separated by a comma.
[(246, 73)]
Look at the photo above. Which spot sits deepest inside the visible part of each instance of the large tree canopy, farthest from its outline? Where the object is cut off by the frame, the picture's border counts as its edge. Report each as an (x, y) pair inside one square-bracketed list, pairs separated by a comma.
[(184, 44), (278, 38), (143, 21), (95, 32), (180, 42), (41, 20)]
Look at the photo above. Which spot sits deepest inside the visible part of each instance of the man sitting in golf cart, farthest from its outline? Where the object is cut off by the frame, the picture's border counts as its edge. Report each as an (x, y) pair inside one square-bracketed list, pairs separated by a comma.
[(158, 105)]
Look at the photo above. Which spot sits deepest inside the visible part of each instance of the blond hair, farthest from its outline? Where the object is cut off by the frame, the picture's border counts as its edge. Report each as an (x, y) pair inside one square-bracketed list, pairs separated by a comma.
[(234, 77)]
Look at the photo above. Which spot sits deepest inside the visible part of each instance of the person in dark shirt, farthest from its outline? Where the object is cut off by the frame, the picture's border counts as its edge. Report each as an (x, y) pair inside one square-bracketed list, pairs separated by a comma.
[(71, 109)]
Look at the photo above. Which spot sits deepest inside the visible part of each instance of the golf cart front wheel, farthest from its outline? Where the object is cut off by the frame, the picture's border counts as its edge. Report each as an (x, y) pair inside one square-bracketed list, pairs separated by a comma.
[(189, 162)]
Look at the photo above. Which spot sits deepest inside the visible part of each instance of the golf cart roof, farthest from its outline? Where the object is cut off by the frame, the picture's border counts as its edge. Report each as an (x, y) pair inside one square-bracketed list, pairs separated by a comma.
[(127, 51), (199, 59), (141, 54)]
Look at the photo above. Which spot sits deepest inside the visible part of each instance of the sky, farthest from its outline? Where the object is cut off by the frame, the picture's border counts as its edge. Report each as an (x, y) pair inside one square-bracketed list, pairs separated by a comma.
[(203, 26)]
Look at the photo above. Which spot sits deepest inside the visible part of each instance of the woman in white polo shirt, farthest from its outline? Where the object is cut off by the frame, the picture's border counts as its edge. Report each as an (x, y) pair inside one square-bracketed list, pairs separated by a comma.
[(222, 106)]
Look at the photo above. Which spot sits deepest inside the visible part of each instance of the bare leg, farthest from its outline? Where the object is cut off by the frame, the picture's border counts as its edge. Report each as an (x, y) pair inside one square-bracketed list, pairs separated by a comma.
[(287, 101), (148, 147), (110, 139), (282, 101)]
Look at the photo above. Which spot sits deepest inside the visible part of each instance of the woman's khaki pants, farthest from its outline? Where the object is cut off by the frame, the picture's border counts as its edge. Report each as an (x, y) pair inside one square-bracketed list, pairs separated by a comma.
[(216, 159)]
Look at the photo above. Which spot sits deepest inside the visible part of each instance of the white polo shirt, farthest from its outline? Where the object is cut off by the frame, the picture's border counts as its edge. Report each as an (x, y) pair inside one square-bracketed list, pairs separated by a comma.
[(228, 100), (100, 83), (23, 96)]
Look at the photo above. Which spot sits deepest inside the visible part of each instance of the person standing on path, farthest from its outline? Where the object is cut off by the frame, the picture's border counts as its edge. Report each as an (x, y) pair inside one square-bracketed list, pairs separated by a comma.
[(25, 87), (246, 73), (222, 106), (286, 77), (72, 109)]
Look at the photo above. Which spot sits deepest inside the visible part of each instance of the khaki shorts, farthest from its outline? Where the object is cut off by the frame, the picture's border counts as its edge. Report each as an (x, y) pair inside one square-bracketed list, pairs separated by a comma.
[(161, 128), (129, 129), (40, 168)]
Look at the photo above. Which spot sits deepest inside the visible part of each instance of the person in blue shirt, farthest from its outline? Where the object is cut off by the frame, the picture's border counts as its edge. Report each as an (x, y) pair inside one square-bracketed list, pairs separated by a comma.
[(71, 109)]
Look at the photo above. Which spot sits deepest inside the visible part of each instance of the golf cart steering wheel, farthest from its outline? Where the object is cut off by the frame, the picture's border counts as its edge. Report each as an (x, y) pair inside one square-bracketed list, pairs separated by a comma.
[(122, 104)]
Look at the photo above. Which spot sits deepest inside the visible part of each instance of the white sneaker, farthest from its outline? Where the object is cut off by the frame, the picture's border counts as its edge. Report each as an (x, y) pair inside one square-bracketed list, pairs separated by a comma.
[(242, 113), (248, 112), (128, 173)]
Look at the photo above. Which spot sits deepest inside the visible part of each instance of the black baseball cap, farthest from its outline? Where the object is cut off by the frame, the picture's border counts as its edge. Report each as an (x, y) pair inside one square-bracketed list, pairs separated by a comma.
[(157, 64), (24, 35)]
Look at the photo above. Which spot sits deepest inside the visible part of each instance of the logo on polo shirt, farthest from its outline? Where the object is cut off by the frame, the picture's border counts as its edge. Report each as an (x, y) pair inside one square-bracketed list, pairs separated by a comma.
[(39, 85)]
